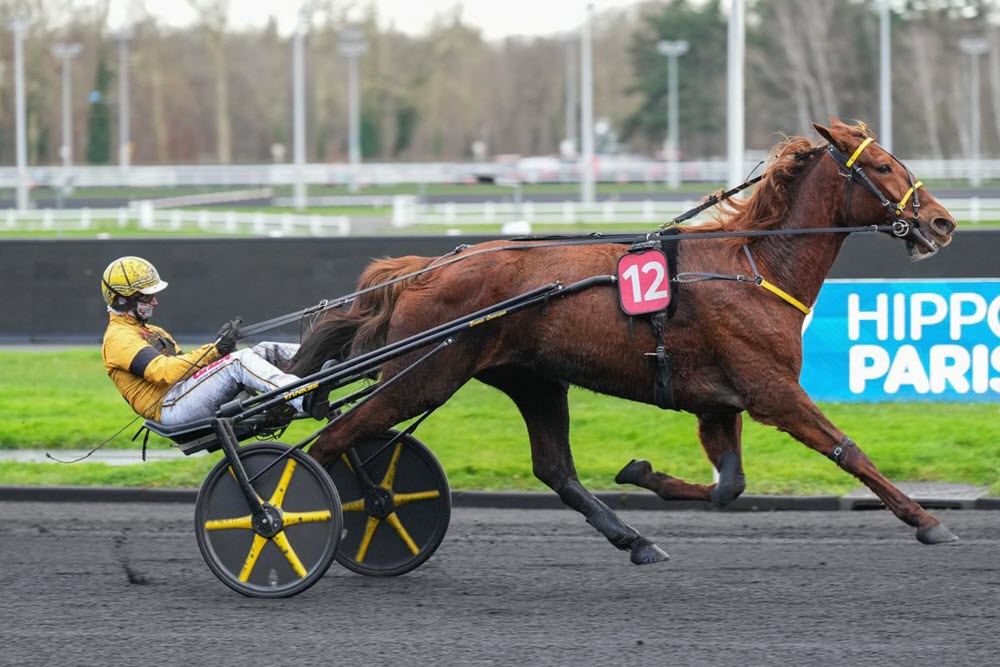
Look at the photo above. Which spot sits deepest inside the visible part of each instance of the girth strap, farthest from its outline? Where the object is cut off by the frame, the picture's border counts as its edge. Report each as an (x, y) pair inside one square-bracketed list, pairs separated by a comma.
[(663, 386)]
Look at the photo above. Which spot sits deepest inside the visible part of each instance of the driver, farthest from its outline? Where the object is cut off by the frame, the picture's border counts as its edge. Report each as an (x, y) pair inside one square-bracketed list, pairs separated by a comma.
[(155, 376)]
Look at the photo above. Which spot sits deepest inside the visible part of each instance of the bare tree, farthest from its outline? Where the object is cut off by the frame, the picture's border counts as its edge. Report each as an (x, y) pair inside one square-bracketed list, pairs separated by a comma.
[(214, 18), (925, 49)]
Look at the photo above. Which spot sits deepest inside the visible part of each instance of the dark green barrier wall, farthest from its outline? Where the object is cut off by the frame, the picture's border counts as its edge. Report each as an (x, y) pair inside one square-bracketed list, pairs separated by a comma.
[(50, 290)]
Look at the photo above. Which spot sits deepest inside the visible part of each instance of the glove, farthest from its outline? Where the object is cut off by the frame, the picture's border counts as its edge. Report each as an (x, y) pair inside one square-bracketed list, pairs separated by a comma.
[(226, 338)]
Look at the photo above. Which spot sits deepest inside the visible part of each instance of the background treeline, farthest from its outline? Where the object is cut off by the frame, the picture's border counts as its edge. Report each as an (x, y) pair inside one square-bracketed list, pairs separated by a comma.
[(211, 94)]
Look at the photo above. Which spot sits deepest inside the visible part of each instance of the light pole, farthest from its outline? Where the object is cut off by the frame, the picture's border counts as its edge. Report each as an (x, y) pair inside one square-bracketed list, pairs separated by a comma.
[(570, 133), (299, 109), (884, 76), (65, 52), (735, 47), (974, 47), (586, 110), (124, 137), (20, 26), (672, 50), (352, 46)]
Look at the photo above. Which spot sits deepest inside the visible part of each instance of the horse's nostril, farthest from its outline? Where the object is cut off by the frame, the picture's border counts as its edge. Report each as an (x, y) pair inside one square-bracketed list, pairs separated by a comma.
[(943, 226)]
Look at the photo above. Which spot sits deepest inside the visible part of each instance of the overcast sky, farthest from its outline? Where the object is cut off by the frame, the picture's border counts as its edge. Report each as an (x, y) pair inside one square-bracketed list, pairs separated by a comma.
[(496, 18)]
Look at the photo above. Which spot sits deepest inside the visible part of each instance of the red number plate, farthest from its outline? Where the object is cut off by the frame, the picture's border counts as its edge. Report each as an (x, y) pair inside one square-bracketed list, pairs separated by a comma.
[(643, 282)]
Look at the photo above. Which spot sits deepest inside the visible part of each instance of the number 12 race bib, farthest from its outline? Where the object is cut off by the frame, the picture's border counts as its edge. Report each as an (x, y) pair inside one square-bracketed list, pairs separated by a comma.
[(643, 282)]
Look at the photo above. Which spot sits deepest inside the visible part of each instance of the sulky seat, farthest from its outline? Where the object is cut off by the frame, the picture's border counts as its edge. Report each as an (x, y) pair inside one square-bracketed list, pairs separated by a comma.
[(199, 435)]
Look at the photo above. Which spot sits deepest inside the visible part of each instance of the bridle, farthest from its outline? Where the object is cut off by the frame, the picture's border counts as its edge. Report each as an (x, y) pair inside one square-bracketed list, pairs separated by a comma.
[(909, 230)]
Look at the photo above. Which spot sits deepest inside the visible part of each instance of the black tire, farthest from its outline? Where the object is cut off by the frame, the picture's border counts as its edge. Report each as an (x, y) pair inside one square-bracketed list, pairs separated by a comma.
[(420, 486), (313, 542)]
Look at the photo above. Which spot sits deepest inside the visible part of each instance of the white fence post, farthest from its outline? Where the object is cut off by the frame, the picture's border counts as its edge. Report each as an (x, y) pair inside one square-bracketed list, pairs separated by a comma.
[(146, 215)]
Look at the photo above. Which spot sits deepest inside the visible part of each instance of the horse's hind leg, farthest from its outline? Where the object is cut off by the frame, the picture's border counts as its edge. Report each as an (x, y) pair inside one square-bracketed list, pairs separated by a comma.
[(720, 437), (542, 402), (426, 388)]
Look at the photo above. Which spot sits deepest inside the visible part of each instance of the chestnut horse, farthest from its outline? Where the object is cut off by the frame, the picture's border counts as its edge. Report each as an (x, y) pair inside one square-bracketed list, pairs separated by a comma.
[(734, 347)]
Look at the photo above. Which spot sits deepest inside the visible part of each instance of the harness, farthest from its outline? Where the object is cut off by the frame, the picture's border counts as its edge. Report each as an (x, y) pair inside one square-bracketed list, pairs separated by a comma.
[(665, 238), (854, 174)]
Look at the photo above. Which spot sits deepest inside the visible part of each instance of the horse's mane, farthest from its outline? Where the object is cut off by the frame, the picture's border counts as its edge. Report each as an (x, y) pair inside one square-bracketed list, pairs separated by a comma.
[(771, 199)]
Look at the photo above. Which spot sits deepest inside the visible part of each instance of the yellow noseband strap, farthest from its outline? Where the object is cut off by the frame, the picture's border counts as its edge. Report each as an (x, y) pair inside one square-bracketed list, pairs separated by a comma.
[(902, 202)]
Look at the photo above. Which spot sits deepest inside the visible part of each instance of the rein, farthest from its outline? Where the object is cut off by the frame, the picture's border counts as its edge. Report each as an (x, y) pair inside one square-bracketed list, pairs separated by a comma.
[(900, 228)]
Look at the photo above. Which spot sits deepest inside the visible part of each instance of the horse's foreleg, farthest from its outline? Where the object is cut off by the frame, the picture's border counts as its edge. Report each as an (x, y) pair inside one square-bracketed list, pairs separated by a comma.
[(543, 405), (790, 409), (720, 436)]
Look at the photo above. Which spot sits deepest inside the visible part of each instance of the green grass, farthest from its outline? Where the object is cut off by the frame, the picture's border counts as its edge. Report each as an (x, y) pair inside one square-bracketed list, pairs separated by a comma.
[(63, 400)]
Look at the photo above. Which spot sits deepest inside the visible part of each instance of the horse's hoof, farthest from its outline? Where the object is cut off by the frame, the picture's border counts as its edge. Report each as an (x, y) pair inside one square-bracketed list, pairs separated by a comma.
[(645, 552), (731, 483), (633, 472), (936, 534)]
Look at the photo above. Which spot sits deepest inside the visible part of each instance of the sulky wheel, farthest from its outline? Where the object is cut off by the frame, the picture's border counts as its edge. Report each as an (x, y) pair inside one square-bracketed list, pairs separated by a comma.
[(396, 513), (291, 559)]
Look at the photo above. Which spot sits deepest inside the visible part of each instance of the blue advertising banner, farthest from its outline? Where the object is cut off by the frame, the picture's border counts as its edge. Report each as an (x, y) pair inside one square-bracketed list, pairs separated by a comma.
[(900, 340)]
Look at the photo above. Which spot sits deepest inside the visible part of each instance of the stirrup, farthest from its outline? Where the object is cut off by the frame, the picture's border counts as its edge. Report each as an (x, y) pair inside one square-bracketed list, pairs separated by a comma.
[(317, 402)]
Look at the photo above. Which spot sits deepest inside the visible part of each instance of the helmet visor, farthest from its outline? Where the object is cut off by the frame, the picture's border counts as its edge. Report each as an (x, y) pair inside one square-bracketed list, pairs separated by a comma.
[(153, 289)]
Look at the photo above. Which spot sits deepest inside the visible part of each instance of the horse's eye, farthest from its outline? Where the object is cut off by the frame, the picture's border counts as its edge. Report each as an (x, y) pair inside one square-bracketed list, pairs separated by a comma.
[(884, 169)]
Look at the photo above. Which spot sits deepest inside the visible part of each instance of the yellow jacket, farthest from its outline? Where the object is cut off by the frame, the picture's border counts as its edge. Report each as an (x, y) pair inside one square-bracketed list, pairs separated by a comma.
[(144, 362)]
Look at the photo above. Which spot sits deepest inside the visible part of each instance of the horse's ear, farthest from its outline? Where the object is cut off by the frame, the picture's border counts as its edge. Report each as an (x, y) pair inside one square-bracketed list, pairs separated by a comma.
[(825, 132)]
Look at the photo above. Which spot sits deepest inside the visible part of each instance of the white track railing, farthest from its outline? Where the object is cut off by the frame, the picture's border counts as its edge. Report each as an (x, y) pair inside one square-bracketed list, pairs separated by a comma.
[(609, 169), (147, 218), (407, 212)]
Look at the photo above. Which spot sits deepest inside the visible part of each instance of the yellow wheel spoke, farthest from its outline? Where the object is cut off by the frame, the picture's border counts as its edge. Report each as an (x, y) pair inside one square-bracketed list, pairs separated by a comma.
[(354, 506), (393, 521), (347, 462), (282, 488), (390, 474), (366, 539), (292, 518), (226, 524), (255, 548), (281, 541), (403, 498)]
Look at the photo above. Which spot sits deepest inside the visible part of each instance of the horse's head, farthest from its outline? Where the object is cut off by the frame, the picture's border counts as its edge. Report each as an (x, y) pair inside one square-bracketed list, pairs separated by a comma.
[(894, 196)]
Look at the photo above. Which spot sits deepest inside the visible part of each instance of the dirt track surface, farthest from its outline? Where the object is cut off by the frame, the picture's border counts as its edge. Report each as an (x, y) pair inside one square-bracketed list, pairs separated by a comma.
[(512, 588)]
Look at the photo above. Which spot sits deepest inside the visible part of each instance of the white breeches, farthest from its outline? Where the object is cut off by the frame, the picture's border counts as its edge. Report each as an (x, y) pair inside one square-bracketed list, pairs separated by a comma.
[(252, 368)]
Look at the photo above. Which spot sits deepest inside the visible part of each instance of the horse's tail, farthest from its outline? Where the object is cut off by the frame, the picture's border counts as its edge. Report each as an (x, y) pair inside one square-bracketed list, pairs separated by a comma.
[(364, 326)]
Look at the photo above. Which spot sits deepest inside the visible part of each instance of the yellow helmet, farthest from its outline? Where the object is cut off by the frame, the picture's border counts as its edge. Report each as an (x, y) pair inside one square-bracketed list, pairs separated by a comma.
[(127, 277)]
